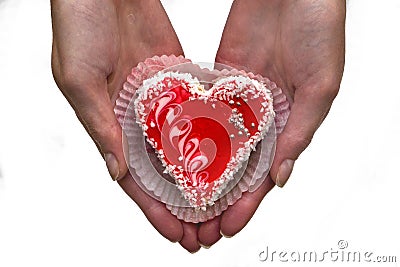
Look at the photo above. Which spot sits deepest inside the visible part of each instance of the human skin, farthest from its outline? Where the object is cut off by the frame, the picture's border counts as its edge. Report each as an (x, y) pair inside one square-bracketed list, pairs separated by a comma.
[(300, 46), (95, 45)]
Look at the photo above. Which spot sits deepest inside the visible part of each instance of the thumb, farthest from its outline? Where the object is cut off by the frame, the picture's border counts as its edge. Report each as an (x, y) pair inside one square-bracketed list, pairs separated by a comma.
[(86, 91), (94, 109), (310, 107), (101, 124)]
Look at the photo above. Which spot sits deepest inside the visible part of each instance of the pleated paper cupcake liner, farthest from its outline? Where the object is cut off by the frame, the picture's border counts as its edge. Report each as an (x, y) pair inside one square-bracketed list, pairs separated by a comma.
[(147, 169)]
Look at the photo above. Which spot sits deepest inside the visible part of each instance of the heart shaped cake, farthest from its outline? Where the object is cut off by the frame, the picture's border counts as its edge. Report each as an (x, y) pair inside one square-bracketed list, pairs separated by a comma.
[(203, 135)]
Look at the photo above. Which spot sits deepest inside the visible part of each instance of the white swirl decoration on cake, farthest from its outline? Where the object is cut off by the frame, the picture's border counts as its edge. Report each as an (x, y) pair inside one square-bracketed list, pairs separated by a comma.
[(194, 164), (178, 129), (163, 102)]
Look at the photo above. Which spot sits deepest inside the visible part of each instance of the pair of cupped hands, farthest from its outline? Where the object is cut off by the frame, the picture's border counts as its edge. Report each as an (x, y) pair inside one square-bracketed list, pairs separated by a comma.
[(297, 44)]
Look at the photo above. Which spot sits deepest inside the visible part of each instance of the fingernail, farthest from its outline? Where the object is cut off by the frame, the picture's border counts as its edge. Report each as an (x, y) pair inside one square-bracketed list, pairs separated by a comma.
[(284, 172), (204, 246), (112, 165), (194, 252), (224, 235)]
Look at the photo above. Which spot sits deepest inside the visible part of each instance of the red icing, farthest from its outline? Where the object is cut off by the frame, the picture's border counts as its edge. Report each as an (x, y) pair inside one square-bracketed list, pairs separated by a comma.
[(203, 128), (194, 137)]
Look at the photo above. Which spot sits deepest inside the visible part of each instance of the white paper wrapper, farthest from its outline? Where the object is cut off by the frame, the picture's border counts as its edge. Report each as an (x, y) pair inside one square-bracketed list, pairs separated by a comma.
[(147, 169)]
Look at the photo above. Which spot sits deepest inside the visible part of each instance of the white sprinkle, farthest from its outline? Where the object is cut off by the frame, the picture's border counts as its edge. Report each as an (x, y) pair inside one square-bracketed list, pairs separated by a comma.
[(152, 124)]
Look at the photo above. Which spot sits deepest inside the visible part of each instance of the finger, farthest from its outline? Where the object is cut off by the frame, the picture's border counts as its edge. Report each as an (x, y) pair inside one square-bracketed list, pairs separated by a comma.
[(100, 122), (209, 232), (235, 218), (92, 104), (157, 214), (310, 107), (189, 239)]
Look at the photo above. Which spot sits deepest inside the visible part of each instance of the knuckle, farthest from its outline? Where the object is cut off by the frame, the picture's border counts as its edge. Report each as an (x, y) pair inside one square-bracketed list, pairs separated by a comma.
[(330, 86), (299, 142), (55, 69), (69, 76), (99, 131), (69, 79), (303, 142), (323, 87), (330, 93)]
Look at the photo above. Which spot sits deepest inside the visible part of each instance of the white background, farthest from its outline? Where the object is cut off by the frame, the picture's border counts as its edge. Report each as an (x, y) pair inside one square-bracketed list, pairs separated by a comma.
[(58, 206)]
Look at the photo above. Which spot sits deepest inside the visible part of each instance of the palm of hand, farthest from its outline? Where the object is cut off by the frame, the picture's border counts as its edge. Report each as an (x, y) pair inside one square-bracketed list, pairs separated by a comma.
[(294, 43), (99, 44)]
